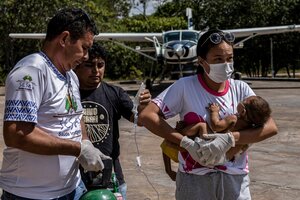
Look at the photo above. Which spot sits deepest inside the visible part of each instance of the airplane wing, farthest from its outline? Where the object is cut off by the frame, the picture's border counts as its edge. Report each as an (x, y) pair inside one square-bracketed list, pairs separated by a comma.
[(128, 37), (246, 32), (148, 37), (252, 32)]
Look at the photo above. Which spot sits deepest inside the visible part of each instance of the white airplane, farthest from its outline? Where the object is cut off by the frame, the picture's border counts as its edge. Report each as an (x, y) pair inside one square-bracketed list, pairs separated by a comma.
[(174, 47), (175, 44)]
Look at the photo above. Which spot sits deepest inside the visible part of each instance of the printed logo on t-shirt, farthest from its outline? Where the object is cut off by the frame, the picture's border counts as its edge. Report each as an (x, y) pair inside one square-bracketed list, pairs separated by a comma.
[(96, 120), (26, 83)]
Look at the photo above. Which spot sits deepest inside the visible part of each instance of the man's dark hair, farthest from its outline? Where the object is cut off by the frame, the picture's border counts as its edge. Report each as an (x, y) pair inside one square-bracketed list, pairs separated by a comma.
[(74, 20), (97, 51)]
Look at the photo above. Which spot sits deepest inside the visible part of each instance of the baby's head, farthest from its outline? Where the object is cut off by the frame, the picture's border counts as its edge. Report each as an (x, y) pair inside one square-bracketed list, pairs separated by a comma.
[(256, 110)]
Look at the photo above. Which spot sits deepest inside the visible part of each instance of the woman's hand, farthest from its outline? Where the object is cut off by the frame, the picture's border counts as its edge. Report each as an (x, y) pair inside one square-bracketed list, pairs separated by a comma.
[(213, 152), (193, 147)]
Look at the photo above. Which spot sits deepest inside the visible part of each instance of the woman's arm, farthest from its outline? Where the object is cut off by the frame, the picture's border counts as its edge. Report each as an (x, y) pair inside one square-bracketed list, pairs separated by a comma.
[(152, 118), (254, 135)]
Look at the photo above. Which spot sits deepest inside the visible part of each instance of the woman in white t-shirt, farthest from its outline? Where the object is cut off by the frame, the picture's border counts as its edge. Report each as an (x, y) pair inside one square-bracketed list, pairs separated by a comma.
[(204, 172)]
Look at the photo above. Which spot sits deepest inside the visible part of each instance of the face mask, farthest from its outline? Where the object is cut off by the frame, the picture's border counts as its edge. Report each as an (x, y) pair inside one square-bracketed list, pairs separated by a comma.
[(220, 72)]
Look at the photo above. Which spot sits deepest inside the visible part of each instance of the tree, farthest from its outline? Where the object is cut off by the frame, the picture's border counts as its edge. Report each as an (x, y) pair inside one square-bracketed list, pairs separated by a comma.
[(112, 16), (254, 58), (31, 16)]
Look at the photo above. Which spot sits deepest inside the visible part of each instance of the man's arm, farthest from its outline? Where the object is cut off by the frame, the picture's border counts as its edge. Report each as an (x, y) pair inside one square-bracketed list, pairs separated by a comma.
[(27, 137), (83, 129)]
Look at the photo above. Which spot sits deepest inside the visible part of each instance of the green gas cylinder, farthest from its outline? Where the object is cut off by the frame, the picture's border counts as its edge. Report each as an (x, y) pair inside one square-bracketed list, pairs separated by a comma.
[(99, 194)]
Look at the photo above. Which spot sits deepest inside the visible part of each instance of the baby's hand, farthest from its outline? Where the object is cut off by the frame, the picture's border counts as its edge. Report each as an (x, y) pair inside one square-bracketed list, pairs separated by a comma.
[(214, 107)]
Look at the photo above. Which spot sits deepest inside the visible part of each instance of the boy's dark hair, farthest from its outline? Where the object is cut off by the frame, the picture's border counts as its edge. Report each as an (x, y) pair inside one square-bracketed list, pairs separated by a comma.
[(258, 110), (97, 51), (74, 20)]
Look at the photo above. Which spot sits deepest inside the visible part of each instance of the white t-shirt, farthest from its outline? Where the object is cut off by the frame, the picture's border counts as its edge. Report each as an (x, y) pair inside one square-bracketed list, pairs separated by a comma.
[(189, 97), (37, 92)]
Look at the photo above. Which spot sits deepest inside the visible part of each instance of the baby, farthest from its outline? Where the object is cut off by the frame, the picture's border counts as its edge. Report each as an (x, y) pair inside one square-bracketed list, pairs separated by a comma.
[(254, 111)]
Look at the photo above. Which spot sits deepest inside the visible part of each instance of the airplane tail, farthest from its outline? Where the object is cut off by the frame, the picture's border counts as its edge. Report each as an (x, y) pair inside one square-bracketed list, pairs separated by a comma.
[(190, 18)]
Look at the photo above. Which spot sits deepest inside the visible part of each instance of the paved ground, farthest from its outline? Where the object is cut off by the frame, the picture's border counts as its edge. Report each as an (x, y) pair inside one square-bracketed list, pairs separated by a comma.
[(274, 163)]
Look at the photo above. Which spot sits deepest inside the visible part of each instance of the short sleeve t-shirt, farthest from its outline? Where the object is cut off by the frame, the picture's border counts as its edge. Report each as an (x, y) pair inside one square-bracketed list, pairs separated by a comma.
[(103, 107), (37, 92), (189, 97)]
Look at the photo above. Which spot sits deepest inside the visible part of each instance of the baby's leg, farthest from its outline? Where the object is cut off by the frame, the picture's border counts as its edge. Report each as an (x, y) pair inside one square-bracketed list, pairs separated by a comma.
[(195, 130)]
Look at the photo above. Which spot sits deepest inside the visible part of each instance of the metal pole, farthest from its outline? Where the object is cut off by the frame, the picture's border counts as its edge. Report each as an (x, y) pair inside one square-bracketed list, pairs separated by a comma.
[(271, 49)]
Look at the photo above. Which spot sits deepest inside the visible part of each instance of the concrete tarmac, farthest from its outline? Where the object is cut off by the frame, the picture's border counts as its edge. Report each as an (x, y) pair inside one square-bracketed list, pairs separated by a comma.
[(274, 162)]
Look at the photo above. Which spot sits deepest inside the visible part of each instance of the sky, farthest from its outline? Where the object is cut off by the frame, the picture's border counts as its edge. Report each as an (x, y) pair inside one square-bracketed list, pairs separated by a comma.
[(151, 7)]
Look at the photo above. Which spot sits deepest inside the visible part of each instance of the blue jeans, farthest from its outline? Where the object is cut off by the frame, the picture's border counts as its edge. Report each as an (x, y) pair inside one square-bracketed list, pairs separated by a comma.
[(123, 189), (74, 195), (80, 190)]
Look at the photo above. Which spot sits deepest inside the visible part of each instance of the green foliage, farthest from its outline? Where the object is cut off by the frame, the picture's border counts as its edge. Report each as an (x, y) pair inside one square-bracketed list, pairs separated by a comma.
[(27, 16), (153, 24), (254, 58), (31, 16)]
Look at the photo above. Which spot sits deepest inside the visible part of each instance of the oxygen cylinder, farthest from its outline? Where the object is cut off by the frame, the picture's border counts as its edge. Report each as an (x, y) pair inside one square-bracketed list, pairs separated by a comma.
[(116, 187), (99, 194)]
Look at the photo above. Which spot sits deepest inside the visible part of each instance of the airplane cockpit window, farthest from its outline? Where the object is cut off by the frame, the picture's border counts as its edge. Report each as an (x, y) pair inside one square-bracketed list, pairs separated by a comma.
[(192, 36), (171, 36)]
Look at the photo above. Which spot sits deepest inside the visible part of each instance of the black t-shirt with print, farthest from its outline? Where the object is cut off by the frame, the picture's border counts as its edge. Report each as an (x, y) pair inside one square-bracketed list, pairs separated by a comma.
[(103, 107)]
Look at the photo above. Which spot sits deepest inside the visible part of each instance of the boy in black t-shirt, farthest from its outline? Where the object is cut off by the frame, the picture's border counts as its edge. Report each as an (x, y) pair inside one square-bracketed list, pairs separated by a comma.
[(104, 104)]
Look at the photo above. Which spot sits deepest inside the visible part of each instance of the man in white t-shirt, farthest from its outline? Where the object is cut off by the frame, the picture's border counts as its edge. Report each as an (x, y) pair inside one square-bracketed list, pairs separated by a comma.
[(43, 131)]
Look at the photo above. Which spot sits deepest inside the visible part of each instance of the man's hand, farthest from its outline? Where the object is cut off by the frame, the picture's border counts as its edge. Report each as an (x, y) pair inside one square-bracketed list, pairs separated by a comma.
[(214, 151), (193, 147), (145, 98), (90, 157)]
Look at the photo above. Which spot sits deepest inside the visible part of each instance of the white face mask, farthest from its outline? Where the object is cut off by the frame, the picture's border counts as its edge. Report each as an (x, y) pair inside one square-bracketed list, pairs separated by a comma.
[(220, 72)]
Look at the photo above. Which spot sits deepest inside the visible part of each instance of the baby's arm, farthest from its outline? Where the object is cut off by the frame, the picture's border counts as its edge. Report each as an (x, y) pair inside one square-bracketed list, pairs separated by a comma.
[(217, 124)]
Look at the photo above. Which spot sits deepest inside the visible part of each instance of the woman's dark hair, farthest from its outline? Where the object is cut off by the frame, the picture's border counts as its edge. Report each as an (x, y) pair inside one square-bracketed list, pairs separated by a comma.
[(204, 44), (74, 20)]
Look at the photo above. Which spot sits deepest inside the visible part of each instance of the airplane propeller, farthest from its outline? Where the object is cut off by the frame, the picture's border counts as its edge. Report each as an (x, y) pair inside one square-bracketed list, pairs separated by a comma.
[(180, 50)]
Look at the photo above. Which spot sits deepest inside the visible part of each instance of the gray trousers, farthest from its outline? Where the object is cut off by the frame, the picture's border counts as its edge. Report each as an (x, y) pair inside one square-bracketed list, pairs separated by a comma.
[(212, 186)]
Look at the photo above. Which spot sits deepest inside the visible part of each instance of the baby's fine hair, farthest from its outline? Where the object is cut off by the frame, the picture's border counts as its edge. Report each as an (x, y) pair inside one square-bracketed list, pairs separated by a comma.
[(258, 110)]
